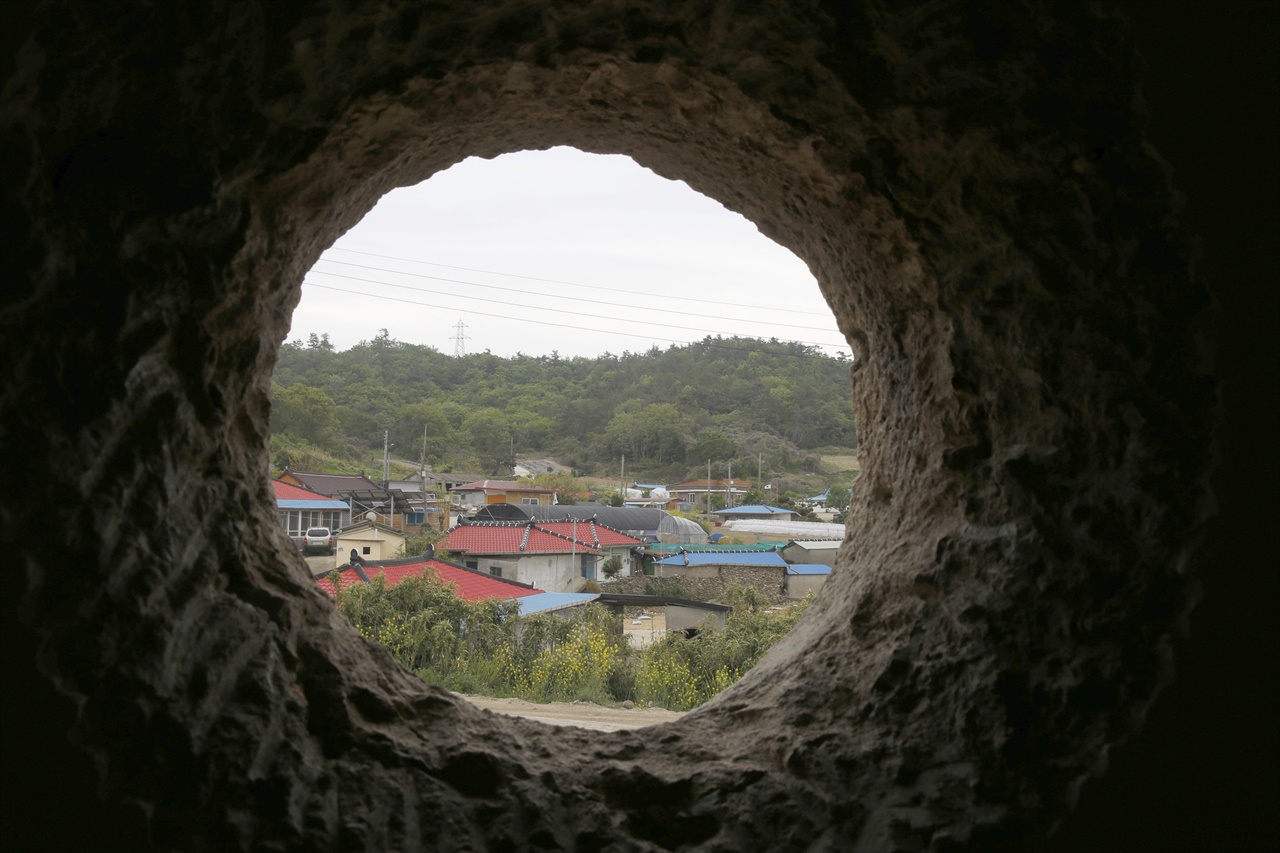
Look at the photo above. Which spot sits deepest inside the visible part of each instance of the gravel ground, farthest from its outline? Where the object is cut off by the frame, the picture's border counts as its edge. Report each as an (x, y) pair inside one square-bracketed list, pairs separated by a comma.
[(585, 715)]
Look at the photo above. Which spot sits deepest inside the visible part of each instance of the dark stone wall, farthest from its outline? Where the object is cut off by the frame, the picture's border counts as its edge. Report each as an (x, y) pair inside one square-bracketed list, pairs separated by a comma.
[(976, 190)]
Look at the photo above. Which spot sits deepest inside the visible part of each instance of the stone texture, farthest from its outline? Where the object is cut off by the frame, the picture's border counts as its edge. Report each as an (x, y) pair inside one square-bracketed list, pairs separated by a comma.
[(971, 186)]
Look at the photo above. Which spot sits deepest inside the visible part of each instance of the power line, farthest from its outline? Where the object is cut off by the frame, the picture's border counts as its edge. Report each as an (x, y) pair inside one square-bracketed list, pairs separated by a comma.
[(558, 296), (578, 328), (553, 281), (537, 307)]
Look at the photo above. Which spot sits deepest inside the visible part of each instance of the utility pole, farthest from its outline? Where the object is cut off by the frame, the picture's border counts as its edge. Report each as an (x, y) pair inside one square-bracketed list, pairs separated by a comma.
[(728, 489), (708, 486), (759, 470), (622, 479), (386, 459)]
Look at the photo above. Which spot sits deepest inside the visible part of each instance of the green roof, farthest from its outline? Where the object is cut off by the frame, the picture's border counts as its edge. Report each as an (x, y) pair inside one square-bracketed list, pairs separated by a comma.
[(675, 547)]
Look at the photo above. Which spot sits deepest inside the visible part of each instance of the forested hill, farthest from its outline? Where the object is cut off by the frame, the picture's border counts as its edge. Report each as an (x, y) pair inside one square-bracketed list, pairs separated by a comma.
[(667, 410)]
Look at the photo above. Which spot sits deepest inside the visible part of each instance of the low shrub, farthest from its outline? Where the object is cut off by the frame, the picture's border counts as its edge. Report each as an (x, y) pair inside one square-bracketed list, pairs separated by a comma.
[(486, 648)]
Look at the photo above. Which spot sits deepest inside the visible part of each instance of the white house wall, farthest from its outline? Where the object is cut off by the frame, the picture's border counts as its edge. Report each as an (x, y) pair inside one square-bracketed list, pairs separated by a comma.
[(547, 572)]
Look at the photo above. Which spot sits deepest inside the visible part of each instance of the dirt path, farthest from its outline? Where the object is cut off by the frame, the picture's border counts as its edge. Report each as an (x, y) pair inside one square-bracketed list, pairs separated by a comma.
[(582, 714)]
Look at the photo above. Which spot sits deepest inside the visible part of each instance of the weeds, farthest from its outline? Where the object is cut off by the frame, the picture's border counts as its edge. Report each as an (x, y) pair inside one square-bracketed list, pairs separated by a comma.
[(486, 648)]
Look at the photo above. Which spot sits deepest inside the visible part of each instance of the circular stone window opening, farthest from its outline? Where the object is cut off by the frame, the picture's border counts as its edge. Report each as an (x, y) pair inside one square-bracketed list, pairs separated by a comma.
[(1004, 263), (662, 261)]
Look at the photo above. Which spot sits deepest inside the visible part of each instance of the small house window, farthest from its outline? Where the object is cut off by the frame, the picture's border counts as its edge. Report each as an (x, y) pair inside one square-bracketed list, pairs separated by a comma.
[(528, 500), (365, 550)]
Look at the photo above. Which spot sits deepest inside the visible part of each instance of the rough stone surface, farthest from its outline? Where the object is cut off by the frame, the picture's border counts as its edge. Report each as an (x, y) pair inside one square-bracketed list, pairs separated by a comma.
[(969, 183)]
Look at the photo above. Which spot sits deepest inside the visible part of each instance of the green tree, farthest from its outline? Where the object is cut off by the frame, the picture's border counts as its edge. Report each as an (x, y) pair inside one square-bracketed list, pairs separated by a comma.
[(711, 444), (567, 486), (416, 421), (531, 430), (488, 435), (646, 432), (305, 412)]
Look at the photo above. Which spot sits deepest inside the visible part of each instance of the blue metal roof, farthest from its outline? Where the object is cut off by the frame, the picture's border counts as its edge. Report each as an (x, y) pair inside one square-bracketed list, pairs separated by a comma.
[(321, 504), (724, 558), (808, 569), (754, 509), (548, 601)]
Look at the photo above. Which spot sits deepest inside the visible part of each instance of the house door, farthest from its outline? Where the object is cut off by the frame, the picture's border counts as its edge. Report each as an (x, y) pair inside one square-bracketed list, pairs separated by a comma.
[(588, 566)]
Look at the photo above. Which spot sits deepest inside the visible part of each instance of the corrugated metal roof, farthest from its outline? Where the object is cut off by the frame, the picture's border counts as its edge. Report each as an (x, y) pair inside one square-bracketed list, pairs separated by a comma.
[(618, 517), (675, 547), (754, 509), (725, 558), (816, 544), (548, 601), (808, 569), (331, 484), (321, 503), (791, 529)]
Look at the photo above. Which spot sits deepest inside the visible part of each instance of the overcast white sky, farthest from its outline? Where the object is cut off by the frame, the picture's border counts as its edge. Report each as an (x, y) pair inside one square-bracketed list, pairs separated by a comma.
[(624, 255)]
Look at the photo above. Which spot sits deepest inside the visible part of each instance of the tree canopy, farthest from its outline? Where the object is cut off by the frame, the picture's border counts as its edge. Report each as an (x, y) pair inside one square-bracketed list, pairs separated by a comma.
[(734, 401)]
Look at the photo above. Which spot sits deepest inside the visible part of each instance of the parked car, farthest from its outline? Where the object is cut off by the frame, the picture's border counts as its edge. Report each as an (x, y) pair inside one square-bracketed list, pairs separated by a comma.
[(319, 539)]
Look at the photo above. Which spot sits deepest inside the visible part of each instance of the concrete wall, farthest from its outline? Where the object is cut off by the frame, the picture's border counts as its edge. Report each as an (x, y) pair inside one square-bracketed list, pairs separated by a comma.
[(798, 586), (384, 547), (825, 556), (549, 572)]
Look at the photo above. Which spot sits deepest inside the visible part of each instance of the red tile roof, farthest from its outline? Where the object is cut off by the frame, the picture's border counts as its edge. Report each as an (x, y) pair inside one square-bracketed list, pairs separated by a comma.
[(290, 492), (592, 533), (467, 583), (511, 538)]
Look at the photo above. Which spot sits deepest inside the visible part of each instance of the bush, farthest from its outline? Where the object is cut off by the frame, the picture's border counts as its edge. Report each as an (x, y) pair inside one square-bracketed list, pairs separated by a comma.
[(611, 566), (680, 674), (554, 659), (486, 648), (418, 542)]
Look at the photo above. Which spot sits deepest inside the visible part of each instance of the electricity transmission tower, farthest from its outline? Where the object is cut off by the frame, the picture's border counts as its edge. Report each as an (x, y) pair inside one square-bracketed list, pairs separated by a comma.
[(459, 340)]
